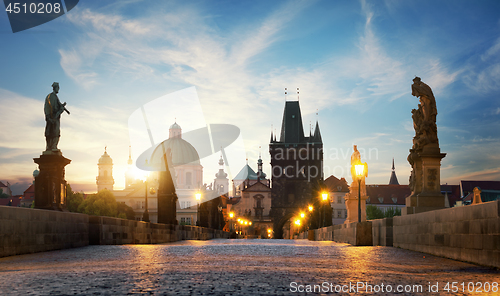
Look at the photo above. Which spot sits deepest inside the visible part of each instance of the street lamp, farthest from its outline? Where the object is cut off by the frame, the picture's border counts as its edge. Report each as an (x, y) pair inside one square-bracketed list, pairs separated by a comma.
[(360, 169), (198, 198), (145, 216), (324, 197)]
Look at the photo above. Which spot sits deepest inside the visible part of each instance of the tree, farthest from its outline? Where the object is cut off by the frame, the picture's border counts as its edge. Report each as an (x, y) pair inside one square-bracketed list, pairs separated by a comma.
[(101, 204), (3, 195), (372, 212), (124, 211), (73, 200), (391, 212)]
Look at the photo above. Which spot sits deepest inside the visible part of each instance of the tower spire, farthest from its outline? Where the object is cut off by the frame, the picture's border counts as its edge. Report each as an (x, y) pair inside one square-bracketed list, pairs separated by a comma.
[(394, 179)]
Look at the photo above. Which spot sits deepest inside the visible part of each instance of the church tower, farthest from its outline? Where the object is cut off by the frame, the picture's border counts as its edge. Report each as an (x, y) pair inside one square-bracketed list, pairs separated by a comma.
[(221, 182), (105, 178), (394, 179), (296, 167)]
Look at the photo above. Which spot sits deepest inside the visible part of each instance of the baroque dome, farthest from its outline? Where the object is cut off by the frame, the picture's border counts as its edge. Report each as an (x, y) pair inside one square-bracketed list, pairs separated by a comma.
[(182, 152), (105, 159)]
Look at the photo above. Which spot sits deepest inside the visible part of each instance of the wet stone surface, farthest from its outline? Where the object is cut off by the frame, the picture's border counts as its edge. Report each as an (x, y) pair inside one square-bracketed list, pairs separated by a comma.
[(240, 267)]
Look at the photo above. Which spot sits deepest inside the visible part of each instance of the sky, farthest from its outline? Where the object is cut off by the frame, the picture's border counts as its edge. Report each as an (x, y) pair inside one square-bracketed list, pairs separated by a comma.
[(353, 62)]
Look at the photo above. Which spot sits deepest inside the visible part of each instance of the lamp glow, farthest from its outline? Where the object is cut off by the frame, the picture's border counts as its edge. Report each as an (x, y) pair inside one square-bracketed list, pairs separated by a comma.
[(302, 215), (360, 169), (231, 215), (311, 208), (324, 195), (198, 196)]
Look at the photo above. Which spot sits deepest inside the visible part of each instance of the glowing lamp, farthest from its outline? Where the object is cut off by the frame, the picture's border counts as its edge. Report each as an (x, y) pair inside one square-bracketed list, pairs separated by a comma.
[(311, 208), (297, 222), (198, 196), (324, 196), (231, 215), (360, 169), (302, 215)]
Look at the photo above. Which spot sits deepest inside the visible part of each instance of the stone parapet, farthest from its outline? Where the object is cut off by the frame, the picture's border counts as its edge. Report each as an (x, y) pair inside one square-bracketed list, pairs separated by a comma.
[(25, 231), (468, 233)]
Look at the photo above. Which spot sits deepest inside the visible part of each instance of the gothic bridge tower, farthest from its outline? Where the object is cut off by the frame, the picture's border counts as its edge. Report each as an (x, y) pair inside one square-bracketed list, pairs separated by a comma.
[(296, 167)]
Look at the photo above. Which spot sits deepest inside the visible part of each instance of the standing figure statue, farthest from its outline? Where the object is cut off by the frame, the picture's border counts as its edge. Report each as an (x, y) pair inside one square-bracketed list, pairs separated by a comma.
[(53, 110), (424, 118)]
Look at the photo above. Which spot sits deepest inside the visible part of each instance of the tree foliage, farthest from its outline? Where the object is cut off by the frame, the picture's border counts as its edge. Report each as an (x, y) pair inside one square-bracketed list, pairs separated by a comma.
[(124, 211), (102, 203), (391, 212), (3, 195), (73, 199), (372, 212)]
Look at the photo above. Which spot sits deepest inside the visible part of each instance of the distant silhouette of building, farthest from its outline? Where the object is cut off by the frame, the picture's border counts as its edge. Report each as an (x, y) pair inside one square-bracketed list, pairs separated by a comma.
[(104, 178), (296, 167), (337, 189)]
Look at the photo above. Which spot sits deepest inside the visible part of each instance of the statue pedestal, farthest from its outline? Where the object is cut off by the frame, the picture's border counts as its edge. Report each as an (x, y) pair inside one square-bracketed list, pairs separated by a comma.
[(50, 186), (351, 203), (425, 181), (167, 199)]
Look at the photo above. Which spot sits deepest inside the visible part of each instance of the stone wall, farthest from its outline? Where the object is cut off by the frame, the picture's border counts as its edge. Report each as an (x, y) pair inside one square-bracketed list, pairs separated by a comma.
[(468, 233), (356, 234), (24, 230), (115, 231), (382, 232)]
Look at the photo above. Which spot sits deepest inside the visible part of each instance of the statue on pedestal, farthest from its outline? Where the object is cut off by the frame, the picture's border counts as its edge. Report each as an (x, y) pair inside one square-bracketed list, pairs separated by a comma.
[(53, 110), (50, 189), (425, 156), (357, 185)]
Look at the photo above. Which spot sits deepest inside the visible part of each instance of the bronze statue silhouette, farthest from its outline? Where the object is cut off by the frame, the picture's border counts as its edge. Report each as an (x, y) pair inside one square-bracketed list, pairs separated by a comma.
[(53, 109)]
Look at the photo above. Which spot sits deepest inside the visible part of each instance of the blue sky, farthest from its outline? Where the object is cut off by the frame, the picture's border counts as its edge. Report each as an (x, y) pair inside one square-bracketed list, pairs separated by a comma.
[(353, 61)]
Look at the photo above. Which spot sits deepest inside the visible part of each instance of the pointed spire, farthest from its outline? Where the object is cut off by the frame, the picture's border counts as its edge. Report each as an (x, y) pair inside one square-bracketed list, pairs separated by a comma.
[(394, 179), (271, 134), (317, 134)]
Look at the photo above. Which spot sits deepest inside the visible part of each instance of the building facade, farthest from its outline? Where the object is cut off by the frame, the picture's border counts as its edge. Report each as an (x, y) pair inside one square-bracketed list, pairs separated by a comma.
[(296, 167)]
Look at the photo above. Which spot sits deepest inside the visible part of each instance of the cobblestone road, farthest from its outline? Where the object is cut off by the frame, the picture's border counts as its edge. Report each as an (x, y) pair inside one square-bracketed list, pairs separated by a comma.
[(237, 267)]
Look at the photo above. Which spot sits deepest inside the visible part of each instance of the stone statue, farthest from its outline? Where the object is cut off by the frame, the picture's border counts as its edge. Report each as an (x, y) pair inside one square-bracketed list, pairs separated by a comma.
[(53, 110), (424, 118), (356, 160), (357, 186), (425, 155)]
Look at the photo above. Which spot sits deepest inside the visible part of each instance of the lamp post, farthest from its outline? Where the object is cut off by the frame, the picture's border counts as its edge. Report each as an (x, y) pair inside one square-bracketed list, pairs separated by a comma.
[(324, 197), (360, 168), (198, 216), (231, 216), (145, 216), (310, 208)]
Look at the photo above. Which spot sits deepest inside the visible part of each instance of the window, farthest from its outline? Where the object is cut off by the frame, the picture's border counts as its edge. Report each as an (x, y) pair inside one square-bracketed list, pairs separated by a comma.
[(339, 213), (339, 199), (188, 221), (188, 204), (183, 205)]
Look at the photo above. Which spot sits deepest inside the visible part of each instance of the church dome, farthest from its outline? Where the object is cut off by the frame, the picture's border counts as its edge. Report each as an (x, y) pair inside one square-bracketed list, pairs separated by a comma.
[(105, 159), (182, 152), (175, 126)]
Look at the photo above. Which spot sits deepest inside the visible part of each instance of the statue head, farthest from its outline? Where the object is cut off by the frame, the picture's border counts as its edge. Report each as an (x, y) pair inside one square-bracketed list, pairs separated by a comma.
[(55, 87), (416, 80), (355, 147)]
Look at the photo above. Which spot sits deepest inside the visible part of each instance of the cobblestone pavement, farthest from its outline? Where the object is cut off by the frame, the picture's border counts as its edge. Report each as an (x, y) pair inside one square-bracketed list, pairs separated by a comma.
[(239, 267)]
